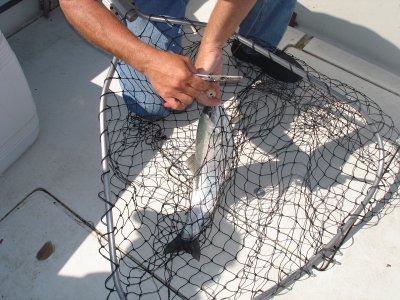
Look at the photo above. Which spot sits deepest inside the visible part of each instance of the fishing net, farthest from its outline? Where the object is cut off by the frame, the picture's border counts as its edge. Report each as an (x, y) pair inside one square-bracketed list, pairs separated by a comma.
[(304, 167)]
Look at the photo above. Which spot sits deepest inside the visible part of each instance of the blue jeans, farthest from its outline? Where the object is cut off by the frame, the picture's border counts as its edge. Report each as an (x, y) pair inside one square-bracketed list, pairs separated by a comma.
[(266, 23)]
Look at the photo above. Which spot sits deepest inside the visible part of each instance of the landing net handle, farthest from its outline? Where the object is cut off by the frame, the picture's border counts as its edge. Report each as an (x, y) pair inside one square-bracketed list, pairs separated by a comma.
[(106, 181)]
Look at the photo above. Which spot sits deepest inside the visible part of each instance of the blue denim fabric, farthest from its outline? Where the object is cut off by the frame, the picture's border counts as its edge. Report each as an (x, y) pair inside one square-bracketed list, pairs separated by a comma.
[(266, 23)]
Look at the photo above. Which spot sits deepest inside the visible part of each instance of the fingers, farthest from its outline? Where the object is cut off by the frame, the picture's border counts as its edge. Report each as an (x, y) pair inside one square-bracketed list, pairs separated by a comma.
[(209, 61), (179, 97), (198, 84), (174, 104), (172, 77), (204, 92), (211, 97)]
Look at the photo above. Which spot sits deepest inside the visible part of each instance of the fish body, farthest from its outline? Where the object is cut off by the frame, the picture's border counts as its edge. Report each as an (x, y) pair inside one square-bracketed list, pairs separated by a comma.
[(211, 159)]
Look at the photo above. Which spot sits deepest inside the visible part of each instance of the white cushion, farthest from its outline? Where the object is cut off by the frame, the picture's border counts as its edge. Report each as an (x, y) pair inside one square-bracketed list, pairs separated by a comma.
[(19, 124)]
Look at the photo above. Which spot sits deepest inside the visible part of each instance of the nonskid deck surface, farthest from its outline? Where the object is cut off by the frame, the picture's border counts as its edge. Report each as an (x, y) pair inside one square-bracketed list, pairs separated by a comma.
[(65, 162)]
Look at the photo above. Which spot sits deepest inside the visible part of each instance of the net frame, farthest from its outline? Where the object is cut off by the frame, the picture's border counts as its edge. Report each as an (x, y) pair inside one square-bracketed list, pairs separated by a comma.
[(328, 251)]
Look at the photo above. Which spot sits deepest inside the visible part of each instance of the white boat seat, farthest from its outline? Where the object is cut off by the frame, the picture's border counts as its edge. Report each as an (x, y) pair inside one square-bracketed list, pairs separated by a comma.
[(19, 124)]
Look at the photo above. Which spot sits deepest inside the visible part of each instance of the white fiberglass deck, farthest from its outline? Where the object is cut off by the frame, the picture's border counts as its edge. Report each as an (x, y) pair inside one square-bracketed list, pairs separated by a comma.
[(50, 193)]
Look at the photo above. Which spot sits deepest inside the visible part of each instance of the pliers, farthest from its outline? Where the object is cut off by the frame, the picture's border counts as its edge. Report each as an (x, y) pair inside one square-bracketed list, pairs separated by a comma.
[(220, 78)]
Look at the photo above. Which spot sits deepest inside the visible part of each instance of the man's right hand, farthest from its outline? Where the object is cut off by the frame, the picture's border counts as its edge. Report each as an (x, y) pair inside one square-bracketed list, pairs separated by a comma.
[(172, 77)]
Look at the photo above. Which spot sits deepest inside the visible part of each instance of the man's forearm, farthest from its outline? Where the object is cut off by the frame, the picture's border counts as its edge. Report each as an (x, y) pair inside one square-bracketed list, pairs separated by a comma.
[(224, 20), (105, 31)]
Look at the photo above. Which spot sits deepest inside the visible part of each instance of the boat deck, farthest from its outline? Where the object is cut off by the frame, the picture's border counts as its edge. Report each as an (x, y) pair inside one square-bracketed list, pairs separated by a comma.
[(50, 193)]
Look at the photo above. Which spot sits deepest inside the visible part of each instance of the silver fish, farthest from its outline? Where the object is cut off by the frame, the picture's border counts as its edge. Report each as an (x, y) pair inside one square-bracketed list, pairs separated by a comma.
[(211, 159)]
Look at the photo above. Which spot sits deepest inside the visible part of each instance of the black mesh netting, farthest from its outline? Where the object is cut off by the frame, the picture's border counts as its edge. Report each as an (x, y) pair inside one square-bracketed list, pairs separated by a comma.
[(296, 166)]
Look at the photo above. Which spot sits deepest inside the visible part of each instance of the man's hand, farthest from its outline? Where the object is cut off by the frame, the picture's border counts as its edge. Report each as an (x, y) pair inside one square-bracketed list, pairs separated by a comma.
[(209, 61), (172, 77)]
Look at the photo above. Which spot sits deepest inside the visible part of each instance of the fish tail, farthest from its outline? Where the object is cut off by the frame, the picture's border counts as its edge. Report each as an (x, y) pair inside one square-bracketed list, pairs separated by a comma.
[(189, 246)]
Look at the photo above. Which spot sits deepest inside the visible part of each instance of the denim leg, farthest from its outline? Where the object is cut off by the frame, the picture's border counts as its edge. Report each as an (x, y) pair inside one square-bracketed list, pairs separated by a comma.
[(138, 93), (267, 21)]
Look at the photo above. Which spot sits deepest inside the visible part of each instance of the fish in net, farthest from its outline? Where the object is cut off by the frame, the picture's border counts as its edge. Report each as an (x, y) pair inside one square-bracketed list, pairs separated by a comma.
[(301, 165)]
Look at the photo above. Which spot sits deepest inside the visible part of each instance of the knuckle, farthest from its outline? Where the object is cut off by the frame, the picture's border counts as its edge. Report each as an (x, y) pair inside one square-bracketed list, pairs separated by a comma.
[(184, 73)]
